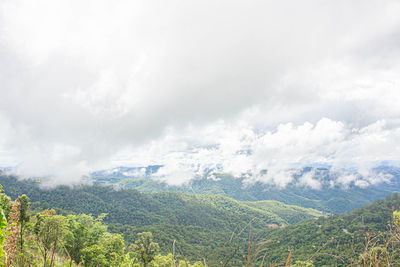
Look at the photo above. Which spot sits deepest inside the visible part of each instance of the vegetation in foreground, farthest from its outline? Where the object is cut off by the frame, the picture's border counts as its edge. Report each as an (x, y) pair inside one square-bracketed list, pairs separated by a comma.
[(49, 239)]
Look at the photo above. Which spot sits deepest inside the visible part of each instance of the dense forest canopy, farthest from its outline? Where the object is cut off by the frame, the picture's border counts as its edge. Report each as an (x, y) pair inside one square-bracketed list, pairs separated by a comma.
[(331, 199)]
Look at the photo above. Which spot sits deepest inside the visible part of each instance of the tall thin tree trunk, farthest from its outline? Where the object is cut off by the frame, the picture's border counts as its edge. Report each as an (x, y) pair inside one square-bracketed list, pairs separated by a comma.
[(54, 248), (21, 235)]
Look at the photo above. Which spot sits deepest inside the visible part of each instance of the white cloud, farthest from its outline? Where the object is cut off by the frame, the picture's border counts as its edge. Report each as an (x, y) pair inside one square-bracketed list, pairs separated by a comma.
[(308, 180), (242, 151), (86, 82)]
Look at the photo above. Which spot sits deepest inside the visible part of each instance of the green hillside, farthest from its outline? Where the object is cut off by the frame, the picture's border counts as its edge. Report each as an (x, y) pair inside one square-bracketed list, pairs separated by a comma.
[(335, 240), (328, 199), (201, 224), (290, 213)]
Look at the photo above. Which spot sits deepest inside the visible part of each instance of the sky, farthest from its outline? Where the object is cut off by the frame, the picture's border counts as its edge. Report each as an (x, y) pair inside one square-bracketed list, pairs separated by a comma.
[(239, 85)]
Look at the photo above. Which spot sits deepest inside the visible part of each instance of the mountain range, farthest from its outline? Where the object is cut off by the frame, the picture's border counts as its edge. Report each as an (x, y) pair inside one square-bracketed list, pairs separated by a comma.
[(337, 191)]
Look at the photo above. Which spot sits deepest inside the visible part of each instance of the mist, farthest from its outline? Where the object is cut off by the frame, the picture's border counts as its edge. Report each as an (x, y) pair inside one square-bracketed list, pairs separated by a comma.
[(191, 84)]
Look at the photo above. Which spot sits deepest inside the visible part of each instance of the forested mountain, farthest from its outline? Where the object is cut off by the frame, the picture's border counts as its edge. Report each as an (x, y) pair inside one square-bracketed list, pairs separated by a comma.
[(290, 213), (201, 224), (328, 198), (340, 239)]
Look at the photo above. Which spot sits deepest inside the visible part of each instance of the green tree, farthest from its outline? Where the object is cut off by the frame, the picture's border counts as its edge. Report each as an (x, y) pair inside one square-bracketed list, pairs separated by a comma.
[(145, 248), (3, 234), (109, 251), (82, 231), (23, 217), (48, 230), (163, 261), (5, 207), (5, 202), (93, 256), (113, 248)]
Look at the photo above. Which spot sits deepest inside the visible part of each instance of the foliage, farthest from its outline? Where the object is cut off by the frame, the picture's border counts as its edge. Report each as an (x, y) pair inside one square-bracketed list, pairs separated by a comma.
[(145, 249), (338, 239), (303, 264), (48, 229), (109, 251), (328, 199), (82, 231), (24, 217), (5, 202), (201, 224), (382, 248), (113, 248), (163, 261), (10, 246), (290, 213), (5, 208), (3, 233), (169, 261)]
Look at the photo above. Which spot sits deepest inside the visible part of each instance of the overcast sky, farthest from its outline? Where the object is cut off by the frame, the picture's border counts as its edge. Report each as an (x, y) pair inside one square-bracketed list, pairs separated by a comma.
[(246, 85)]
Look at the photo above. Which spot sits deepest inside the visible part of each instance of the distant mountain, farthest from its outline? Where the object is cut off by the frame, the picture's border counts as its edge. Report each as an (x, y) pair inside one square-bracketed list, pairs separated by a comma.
[(334, 194), (122, 172)]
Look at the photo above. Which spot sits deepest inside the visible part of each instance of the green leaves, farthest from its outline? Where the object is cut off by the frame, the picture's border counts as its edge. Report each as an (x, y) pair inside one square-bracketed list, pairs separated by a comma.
[(82, 231), (108, 251), (49, 229), (3, 220), (144, 248), (3, 234), (86, 239)]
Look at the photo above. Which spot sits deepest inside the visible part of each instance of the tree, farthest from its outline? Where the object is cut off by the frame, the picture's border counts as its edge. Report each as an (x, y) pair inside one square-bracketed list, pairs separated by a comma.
[(5, 202), (382, 249), (3, 234), (48, 229), (82, 231), (164, 260), (10, 246), (109, 251), (93, 256), (113, 248), (86, 240), (145, 248), (23, 217)]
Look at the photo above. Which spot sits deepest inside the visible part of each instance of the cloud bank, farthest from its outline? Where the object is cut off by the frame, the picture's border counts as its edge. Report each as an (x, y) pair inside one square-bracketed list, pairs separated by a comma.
[(246, 86), (241, 150)]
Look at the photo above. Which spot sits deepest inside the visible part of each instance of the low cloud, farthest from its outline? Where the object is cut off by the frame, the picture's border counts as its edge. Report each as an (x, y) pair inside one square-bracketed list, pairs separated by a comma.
[(274, 157), (197, 85)]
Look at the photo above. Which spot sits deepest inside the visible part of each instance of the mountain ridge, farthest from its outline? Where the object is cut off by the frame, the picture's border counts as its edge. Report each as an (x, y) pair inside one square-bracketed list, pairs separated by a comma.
[(327, 198)]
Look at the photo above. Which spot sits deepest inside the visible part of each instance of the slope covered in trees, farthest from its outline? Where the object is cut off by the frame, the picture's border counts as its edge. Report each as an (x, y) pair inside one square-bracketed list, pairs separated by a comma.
[(49, 239), (329, 199), (201, 224), (290, 213), (340, 239)]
